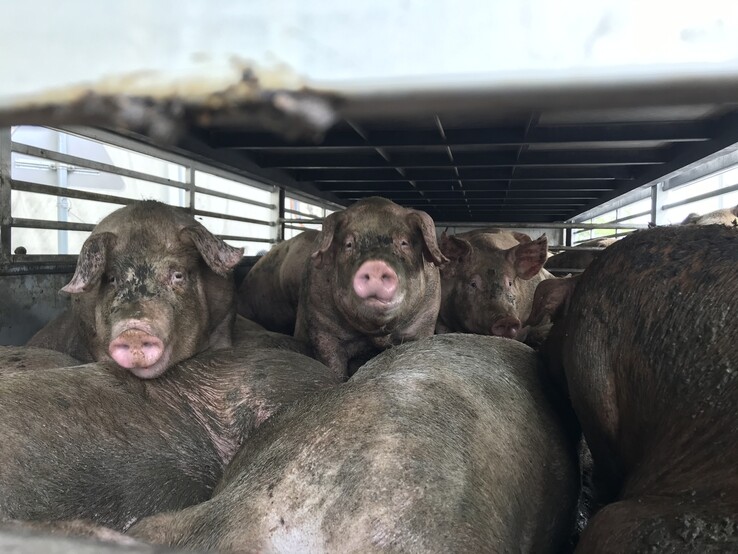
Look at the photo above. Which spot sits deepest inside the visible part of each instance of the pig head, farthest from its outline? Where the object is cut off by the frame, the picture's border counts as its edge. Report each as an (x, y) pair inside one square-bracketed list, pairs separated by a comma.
[(488, 290), (153, 287), (373, 281)]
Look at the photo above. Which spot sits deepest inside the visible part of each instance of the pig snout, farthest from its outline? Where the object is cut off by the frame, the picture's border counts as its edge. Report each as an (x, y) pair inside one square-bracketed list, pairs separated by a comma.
[(135, 348), (376, 279), (506, 327)]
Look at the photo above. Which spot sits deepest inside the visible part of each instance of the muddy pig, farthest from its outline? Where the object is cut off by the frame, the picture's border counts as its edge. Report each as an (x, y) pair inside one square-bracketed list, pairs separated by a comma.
[(372, 282), (647, 347), (489, 283), (573, 259), (96, 443), (445, 444), (152, 287), (727, 216), (27, 358), (271, 289)]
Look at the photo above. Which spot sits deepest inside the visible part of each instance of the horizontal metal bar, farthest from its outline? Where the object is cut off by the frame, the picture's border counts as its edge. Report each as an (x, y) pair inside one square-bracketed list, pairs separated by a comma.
[(233, 218), (564, 270), (509, 136), (233, 197), (620, 202), (90, 164), (23, 265), (712, 165), (705, 196), (245, 239), (298, 212), (557, 225), (295, 228), (554, 158), (613, 235), (56, 225), (51, 190), (576, 248), (450, 173)]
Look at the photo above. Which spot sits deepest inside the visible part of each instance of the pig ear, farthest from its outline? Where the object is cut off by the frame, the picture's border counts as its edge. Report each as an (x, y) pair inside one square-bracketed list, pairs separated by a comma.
[(427, 227), (734, 211), (528, 257), (456, 249), (551, 299), (690, 219), (219, 256), (91, 262), (330, 224), (521, 237)]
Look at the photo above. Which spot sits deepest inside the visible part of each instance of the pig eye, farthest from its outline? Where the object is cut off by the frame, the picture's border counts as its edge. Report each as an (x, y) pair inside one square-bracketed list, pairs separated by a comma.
[(473, 284), (111, 280), (404, 243), (177, 277), (348, 245)]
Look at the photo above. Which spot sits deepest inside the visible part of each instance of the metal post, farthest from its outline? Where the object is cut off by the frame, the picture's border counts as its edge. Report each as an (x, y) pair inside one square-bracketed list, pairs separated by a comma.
[(657, 204), (191, 186), (62, 203), (568, 237), (280, 219), (5, 217)]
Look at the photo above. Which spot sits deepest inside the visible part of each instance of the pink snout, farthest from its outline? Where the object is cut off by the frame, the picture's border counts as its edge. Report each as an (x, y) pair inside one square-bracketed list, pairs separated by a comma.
[(135, 348), (506, 327), (376, 279)]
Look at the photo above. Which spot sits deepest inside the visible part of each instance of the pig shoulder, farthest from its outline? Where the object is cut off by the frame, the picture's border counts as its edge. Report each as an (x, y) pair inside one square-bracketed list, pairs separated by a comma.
[(15, 359), (386, 460)]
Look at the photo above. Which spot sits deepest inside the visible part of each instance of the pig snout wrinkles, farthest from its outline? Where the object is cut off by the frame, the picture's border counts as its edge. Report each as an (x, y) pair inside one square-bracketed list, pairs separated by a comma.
[(506, 327), (376, 279), (135, 348)]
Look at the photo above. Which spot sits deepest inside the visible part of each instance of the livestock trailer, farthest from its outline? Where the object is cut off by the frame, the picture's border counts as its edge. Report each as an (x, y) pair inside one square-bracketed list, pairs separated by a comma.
[(576, 120)]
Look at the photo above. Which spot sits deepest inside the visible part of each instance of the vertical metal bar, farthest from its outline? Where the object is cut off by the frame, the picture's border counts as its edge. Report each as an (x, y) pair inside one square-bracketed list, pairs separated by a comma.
[(190, 180), (62, 202), (657, 204), (5, 216), (280, 219), (568, 237)]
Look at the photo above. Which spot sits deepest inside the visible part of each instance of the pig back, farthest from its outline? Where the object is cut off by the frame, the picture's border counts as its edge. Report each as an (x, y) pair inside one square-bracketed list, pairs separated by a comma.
[(649, 355), (270, 291), (14, 359), (86, 442), (445, 444)]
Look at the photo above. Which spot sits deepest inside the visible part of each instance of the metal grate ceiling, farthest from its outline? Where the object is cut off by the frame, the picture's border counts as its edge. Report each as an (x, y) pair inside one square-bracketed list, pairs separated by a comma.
[(533, 167)]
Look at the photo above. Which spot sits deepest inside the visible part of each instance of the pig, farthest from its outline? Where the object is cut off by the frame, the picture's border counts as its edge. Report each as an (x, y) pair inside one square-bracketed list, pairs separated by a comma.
[(96, 443), (445, 444), (15, 359), (372, 282), (270, 292), (573, 259), (152, 287), (727, 216), (487, 287), (645, 340)]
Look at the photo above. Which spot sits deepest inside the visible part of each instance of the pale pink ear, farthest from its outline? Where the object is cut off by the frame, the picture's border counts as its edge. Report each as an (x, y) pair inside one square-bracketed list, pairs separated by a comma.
[(427, 227), (327, 233), (91, 262), (528, 257), (551, 299), (455, 249), (521, 237), (219, 256)]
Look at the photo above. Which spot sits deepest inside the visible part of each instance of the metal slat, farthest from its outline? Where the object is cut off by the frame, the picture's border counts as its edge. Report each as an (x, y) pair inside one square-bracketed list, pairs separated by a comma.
[(90, 164), (233, 197), (51, 190), (699, 197), (233, 217), (54, 225), (245, 239)]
